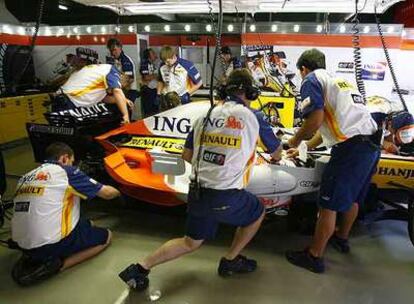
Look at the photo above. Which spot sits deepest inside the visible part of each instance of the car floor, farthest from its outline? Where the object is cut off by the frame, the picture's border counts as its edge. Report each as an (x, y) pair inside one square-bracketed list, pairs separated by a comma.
[(379, 269)]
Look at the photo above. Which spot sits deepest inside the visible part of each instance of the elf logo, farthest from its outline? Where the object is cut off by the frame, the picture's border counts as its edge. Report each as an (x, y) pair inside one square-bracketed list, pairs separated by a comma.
[(214, 158), (405, 173)]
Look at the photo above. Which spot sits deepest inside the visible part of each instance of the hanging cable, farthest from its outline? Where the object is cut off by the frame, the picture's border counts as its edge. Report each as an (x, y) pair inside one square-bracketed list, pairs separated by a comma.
[(388, 58), (357, 54), (32, 45)]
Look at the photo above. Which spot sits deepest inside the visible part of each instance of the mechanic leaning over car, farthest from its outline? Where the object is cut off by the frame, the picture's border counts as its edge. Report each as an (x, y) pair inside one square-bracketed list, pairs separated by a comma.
[(94, 84), (125, 64), (335, 114), (224, 162), (177, 75), (46, 223)]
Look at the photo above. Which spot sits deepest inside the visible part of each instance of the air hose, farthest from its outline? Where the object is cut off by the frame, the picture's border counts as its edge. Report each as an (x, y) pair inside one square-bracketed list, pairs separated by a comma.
[(357, 54), (388, 58)]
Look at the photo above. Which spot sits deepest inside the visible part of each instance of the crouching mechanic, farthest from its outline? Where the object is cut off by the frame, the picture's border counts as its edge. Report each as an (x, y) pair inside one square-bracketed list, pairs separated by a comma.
[(224, 160), (337, 111), (94, 84), (46, 223)]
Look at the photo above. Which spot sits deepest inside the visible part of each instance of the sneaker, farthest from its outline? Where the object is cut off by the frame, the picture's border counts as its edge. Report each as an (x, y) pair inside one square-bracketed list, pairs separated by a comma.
[(306, 260), (239, 264), (341, 245), (135, 276)]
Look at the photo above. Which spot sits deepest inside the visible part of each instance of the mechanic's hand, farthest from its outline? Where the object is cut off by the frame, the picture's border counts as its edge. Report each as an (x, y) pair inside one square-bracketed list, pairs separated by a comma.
[(157, 100), (130, 104), (125, 120), (390, 147), (293, 142), (292, 153)]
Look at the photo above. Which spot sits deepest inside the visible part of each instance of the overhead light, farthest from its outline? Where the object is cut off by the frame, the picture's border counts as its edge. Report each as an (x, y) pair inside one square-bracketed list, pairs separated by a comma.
[(130, 29), (103, 30), (89, 29), (60, 32), (147, 28), (76, 30), (33, 30), (63, 7), (77, 37), (319, 28), (342, 29), (187, 27), (252, 28), (366, 29), (208, 27), (68, 35), (103, 39), (274, 28), (117, 29), (48, 32), (167, 28), (95, 38), (390, 30), (296, 28), (230, 27), (7, 29), (21, 30)]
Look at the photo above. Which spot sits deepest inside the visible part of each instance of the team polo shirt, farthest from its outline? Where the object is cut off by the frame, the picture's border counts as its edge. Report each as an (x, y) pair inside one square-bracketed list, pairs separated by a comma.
[(346, 115), (47, 204), (180, 77), (90, 85), (234, 64), (149, 68), (229, 145)]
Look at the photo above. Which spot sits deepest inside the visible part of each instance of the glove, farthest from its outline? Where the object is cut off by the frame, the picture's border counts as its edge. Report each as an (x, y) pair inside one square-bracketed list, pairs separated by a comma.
[(157, 100)]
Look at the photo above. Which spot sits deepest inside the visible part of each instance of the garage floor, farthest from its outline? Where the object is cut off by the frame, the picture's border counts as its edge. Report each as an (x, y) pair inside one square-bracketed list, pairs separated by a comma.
[(380, 268)]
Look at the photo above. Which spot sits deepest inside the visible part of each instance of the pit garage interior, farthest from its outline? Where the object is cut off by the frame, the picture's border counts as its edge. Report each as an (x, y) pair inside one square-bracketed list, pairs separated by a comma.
[(374, 37)]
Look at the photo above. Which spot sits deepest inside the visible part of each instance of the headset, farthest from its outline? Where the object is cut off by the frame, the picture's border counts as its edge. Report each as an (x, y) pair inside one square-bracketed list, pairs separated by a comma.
[(251, 91)]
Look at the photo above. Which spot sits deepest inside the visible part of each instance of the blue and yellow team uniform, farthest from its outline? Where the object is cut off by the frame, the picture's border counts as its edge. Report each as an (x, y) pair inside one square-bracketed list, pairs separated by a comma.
[(234, 64), (347, 128), (180, 78), (46, 220), (127, 66), (90, 85), (228, 153)]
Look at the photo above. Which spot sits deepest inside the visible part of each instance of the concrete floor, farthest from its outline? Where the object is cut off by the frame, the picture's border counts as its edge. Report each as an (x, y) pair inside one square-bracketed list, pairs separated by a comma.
[(380, 268)]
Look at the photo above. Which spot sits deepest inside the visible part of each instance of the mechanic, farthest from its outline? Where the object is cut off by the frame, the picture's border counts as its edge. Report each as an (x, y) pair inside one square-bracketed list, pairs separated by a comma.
[(400, 135), (224, 168), (46, 223), (149, 76), (231, 63), (93, 84), (177, 75), (335, 114), (125, 64)]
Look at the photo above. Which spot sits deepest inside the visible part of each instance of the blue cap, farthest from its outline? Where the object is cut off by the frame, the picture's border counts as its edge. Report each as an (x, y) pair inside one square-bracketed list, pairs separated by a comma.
[(401, 120)]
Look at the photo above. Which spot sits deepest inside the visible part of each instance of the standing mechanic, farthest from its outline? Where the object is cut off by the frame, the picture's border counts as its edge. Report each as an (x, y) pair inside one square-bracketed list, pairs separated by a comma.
[(223, 160), (336, 112), (46, 223), (125, 64), (177, 75), (231, 63), (94, 84), (149, 76)]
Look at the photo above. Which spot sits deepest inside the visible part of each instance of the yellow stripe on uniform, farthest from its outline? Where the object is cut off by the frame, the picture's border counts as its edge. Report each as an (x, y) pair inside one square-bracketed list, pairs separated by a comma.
[(97, 84), (333, 124), (249, 165), (67, 213)]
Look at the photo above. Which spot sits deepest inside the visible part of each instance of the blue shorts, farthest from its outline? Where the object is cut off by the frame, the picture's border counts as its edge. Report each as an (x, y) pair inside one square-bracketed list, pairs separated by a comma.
[(82, 237), (348, 174), (234, 207)]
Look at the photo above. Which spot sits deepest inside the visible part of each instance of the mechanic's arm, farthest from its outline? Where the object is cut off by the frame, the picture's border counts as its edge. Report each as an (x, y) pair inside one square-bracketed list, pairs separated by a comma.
[(309, 128), (195, 87), (160, 87), (188, 147), (121, 103), (313, 143), (195, 78), (267, 139), (108, 192), (187, 155)]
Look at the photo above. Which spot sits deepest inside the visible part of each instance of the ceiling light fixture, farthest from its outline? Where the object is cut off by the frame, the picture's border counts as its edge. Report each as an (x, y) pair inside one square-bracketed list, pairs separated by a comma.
[(342, 29), (147, 28), (208, 27), (130, 29), (319, 28), (390, 30), (252, 28), (63, 7), (230, 27), (167, 28), (76, 30), (187, 27), (296, 28), (366, 29), (89, 29), (274, 28)]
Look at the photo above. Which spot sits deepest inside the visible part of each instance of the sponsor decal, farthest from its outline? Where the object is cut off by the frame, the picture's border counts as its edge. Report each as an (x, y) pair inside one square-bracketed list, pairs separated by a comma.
[(221, 140), (374, 71), (42, 176), (31, 190), (397, 172), (273, 202), (21, 207), (214, 158), (51, 130), (358, 99), (172, 124), (80, 113), (173, 145), (309, 184), (344, 85), (234, 123), (345, 68)]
